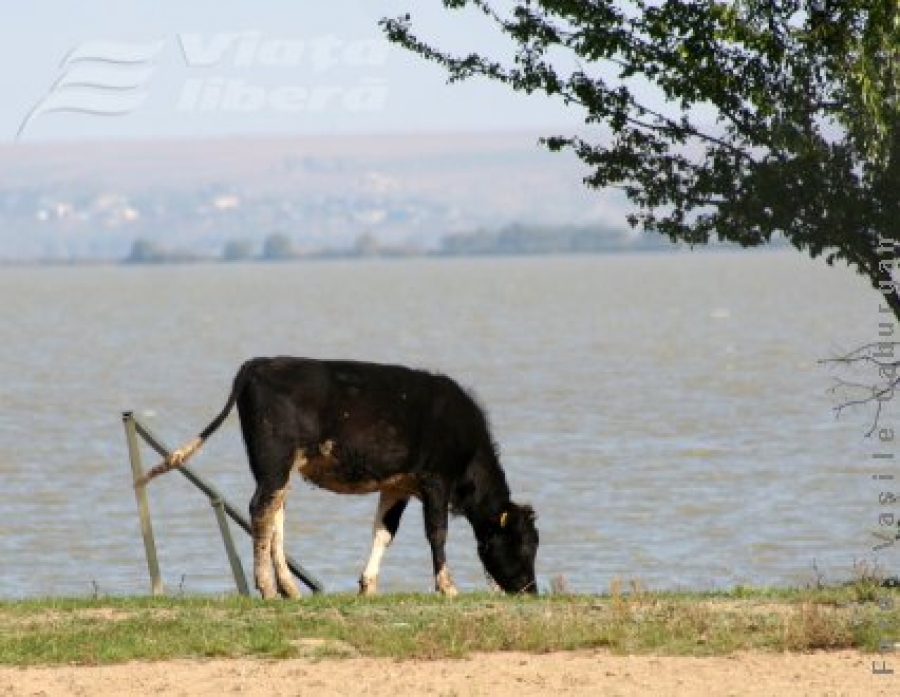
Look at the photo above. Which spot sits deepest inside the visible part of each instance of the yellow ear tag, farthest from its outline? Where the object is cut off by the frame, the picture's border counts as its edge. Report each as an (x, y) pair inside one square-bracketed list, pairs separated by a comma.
[(503, 517)]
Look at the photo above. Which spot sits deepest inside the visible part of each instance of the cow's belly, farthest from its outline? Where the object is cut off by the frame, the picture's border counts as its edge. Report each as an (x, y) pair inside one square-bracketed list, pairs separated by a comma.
[(350, 473)]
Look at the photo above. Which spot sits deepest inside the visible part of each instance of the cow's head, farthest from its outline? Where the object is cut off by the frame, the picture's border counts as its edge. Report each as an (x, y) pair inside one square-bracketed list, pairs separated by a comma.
[(507, 548)]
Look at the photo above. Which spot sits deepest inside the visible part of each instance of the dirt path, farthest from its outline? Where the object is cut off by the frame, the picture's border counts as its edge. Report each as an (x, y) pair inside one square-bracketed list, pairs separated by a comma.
[(496, 675)]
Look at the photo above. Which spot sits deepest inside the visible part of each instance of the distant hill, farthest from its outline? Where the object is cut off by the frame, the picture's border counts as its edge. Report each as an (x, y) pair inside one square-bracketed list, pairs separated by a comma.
[(79, 201)]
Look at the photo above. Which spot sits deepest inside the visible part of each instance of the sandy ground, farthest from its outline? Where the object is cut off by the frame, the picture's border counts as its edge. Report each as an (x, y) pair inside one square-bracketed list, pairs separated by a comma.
[(497, 675)]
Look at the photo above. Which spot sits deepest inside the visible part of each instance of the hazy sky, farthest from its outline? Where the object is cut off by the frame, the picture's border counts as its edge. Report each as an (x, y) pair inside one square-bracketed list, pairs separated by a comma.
[(100, 69)]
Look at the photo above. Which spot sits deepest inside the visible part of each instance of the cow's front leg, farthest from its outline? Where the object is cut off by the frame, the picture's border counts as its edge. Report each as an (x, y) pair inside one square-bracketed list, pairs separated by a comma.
[(387, 520), (264, 507), (435, 511)]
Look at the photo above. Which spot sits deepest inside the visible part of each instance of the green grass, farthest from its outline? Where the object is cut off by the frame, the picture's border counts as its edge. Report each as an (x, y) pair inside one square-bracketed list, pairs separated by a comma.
[(113, 630)]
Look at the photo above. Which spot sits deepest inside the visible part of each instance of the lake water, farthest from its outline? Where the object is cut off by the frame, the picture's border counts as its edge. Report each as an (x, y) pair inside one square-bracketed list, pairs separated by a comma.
[(666, 415)]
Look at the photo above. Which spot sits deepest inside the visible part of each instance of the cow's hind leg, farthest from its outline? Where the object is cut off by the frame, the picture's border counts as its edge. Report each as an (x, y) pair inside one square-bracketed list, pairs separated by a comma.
[(264, 508), (286, 585), (387, 520)]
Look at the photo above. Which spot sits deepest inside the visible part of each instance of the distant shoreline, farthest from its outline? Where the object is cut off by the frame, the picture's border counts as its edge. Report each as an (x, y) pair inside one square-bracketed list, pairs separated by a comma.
[(352, 255)]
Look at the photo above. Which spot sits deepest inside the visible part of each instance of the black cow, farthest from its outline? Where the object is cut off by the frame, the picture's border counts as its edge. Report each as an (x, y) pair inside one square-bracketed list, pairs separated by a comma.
[(358, 428)]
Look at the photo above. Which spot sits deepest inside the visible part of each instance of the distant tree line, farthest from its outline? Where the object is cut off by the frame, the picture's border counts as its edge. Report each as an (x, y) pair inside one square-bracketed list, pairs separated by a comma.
[(550, 239), (275, 247), (144, 251), (513, 239)]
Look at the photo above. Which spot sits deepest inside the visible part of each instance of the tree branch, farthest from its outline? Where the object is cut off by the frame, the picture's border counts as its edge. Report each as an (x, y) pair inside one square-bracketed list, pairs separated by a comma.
[(878, 392)]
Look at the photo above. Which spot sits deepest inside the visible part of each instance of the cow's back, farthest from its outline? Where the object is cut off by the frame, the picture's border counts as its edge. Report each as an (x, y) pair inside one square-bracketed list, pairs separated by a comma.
[(351, 426)]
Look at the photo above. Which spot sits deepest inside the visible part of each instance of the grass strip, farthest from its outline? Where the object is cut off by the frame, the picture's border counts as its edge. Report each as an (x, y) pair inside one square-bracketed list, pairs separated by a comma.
[(114, 630)]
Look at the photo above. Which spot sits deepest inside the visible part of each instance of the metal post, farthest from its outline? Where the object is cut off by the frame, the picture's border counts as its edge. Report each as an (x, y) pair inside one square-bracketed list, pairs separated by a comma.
[(237, 569), (140, 494)]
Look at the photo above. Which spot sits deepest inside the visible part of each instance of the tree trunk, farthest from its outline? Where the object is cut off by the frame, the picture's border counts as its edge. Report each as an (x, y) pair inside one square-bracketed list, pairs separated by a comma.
[(883, 279)]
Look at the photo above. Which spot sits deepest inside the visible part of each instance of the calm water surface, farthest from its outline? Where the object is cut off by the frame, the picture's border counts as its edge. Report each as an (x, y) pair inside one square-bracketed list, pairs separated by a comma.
[(665, 415)]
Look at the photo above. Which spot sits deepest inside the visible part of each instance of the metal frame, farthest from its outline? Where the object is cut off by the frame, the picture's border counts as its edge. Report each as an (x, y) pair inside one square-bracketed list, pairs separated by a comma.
[(134, 429)]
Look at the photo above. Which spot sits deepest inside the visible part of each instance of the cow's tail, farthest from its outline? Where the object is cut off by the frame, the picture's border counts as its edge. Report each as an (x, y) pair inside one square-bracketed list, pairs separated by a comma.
[(180, 456)]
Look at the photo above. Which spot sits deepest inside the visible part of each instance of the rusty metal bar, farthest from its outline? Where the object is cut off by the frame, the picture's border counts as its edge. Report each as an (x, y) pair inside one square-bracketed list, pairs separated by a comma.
[(237, 569), (143, 506)]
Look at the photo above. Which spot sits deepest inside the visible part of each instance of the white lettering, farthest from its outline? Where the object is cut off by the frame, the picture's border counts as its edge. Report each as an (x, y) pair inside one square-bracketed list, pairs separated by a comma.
[(371, 95), (322, 97), (245, 57), (288, 99), (280, 52), (324, 52), (235, 95), (199, 54), (240, 96)]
